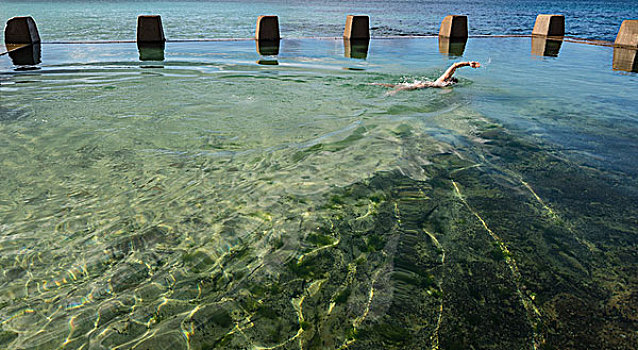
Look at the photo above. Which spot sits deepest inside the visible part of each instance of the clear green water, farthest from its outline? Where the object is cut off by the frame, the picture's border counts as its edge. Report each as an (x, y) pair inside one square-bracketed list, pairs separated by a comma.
[(213, 201)]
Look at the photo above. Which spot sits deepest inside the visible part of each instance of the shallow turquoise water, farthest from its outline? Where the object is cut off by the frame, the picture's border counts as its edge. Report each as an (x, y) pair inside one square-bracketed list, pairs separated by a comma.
[(220, 199)]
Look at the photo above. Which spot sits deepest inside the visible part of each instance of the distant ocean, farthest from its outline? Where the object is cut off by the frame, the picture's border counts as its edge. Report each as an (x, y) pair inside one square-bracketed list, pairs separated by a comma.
[(115, 19)]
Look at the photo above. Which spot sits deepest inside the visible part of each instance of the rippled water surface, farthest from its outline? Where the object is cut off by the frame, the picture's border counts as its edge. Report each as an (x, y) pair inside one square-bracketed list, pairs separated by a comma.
[(115, 19), (221, 199)]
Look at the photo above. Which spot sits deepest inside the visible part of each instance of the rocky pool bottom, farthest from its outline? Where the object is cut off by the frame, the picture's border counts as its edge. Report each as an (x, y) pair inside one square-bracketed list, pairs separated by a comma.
[(306, 209)]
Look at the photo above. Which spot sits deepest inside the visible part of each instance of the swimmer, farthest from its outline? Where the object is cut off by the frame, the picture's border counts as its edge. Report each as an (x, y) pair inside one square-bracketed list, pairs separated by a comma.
[(444, 80)]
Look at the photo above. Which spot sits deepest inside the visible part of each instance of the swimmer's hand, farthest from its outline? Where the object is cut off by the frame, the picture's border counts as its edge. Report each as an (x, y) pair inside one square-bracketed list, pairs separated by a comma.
[(475, 64)]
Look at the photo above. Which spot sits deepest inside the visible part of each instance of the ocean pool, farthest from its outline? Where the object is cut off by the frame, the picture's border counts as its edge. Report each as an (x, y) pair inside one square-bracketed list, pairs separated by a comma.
[(217, 198)]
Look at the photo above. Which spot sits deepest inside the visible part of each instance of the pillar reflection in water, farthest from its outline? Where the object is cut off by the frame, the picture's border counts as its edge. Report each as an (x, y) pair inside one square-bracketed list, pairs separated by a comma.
[(356, 48), (452, 46), (267, 48), (625, 59), (267, 62), (25, 56), (546, 46), (151, 51)]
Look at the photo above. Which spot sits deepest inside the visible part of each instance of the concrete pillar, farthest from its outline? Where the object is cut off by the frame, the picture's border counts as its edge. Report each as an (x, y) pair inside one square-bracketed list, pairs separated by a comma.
[(549, 25), (452, 47), (357, 27), (454, 27), (149, 29), (628, 34), (356, 48), (625, 59), (267, 28), (542, 46), (21, 30)]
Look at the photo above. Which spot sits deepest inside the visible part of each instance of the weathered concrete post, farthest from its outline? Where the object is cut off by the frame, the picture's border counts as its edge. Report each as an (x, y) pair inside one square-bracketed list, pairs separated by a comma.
[(549, 25), (547, 35), (22, 41), (453, 35), (626, 47), (267, 35), (454, 27), (356, 36), (357, 27), (150, 38), (21, 30), (267, 28), (628, 34), (149, 29)]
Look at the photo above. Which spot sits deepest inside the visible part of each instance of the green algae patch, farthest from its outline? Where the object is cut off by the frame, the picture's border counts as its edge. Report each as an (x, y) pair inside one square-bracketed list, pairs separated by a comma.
[(320, 240), (6, 337), (342, 297), (374, 242), (390, 334)]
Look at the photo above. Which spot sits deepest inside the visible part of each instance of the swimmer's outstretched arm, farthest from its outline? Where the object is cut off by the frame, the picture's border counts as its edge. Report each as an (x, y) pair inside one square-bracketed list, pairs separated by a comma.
[(450, 71)]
